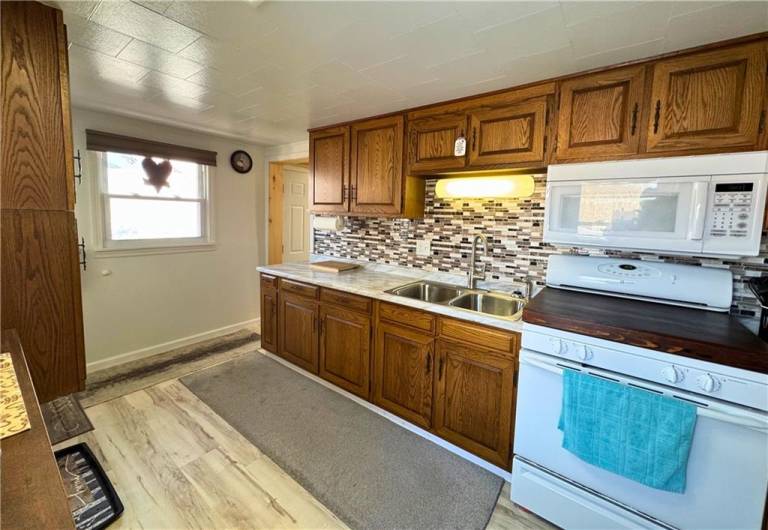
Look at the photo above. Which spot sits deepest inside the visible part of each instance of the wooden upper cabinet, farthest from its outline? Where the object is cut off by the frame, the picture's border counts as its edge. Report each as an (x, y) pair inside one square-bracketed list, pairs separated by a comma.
[(345, 349), (599, 114), (377, 166), (36, 145), (474, 400), (329, 170), (711, 100), (298, 330), (511, 134), (402, 374), (431, 142)]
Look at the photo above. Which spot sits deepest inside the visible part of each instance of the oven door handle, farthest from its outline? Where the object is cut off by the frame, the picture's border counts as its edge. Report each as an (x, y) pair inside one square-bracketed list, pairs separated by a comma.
[(716, 411)]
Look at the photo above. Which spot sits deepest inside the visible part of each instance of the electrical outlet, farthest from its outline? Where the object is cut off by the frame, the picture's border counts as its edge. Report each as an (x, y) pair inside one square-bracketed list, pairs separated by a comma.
[(423, 247)]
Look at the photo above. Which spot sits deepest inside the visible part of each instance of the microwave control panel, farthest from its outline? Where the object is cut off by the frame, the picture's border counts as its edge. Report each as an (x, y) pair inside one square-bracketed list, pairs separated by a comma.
[(732, 209)]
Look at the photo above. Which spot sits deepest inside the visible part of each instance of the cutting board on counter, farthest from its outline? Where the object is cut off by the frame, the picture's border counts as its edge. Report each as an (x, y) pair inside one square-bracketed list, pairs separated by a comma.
[(334, 266)]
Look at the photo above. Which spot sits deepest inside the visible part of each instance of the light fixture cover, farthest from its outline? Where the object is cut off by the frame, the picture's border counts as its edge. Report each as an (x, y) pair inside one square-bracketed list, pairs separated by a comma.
[(495, 187)]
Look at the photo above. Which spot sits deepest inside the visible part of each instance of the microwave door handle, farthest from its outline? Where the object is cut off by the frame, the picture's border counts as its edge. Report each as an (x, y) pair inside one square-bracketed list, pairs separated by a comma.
[(699, 210)]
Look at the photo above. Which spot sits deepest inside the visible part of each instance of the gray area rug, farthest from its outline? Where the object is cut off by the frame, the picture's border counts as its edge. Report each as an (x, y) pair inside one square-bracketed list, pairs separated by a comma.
[(370, 472)]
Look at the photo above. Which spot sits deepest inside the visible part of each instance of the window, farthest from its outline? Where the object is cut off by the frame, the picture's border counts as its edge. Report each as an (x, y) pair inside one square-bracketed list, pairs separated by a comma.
[(137, 215)]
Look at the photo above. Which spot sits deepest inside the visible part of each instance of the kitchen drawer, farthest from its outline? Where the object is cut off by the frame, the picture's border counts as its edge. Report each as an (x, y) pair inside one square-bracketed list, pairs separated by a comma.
[(503, 341), (303, 289), (268, 282), (406, 316), (347, 300)]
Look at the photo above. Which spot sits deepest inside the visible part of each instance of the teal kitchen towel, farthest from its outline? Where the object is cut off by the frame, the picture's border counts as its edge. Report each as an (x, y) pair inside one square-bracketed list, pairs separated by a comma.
[(635, 433)]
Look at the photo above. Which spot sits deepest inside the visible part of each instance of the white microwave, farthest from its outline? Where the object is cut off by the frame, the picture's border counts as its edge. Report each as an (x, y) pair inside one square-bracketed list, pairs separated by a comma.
[(711, 205)]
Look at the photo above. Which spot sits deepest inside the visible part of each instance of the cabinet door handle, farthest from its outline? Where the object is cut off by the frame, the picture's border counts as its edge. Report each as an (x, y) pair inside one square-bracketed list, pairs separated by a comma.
[(440, 368), (322, 325), (429, 362), (634, 119), (657, 116), (79, 172), (344, 192), (474, 138)]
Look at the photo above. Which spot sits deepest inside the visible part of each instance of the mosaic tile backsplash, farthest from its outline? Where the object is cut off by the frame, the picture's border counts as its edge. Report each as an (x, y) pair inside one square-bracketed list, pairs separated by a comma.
[(514, 229)]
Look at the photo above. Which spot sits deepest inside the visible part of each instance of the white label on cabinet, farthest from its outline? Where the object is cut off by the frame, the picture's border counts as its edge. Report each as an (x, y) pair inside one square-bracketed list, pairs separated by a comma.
[(460, 146)]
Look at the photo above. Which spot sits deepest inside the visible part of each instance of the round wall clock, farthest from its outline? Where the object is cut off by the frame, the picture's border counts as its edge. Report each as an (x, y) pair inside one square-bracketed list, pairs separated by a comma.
[(241, 161)]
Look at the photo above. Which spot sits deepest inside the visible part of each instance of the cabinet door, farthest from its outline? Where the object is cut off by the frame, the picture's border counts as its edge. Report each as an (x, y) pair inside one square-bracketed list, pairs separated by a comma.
[(710, 100), (508, 135), (599, 114), (474, 403), (269, 309), (36, 145), (41, 297), (329, 170), (345, 349), (377, 166), (431, 142), (298, 330), (402, 379)]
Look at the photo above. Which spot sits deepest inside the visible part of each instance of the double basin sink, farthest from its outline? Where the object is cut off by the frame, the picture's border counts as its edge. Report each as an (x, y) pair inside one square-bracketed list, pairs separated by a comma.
[(498, 305)]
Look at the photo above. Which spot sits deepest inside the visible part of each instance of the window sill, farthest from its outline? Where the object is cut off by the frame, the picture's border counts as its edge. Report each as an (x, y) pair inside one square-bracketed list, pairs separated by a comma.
[(104, 253)]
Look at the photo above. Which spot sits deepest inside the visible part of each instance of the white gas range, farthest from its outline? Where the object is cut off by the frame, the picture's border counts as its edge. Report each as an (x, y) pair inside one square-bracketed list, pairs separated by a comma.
[(727, 471)]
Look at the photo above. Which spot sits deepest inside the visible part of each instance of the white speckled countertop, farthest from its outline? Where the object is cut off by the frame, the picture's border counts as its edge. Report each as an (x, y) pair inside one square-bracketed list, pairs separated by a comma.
[(372, 280)]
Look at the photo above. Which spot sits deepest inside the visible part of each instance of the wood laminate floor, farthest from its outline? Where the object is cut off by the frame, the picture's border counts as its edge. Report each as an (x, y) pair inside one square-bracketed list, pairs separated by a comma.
[(176, 465)]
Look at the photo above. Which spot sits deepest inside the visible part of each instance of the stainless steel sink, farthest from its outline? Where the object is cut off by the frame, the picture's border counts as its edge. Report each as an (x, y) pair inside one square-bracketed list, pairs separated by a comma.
[(428, 292), (491, 304), (498, 305)]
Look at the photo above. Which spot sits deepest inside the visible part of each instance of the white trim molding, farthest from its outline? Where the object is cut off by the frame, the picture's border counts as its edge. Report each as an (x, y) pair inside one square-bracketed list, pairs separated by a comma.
[(141, 353)]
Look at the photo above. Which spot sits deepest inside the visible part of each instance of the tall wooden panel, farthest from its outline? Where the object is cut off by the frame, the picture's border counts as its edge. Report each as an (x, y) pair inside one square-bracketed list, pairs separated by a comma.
[(475, 398), (599, 114), (329, 170), (345, 349), (711, 100), (36, 147), (40, 271), (41, 296), (377, 166)]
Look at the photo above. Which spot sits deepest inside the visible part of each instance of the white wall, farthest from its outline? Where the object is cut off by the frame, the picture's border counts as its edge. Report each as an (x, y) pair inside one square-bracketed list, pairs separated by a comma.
[(150, 303)]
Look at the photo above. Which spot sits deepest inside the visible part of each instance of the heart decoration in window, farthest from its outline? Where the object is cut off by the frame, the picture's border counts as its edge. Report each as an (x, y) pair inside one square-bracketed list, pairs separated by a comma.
[(157, 174)]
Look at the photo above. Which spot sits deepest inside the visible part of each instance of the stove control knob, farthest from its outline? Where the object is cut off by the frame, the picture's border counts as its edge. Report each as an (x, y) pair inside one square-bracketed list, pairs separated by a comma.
[(708, 383), (583, 352), (672, 374)]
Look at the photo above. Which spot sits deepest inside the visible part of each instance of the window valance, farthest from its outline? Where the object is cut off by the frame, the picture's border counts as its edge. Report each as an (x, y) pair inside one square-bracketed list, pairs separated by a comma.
[(103, 141)]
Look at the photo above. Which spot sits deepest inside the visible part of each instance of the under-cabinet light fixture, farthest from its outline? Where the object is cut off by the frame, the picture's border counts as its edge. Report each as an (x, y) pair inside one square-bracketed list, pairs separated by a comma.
[(492, 187)]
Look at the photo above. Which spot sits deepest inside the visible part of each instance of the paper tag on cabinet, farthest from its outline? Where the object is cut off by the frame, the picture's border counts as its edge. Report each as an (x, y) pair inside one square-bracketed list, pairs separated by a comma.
[(460, 146)]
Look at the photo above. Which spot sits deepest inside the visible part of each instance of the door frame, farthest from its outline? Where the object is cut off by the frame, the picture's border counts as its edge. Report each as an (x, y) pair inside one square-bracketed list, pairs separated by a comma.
[(274, 210)]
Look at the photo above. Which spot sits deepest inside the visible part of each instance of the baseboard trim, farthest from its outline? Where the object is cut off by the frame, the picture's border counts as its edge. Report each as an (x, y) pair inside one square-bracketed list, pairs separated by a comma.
[(458, 451), (134, 355)]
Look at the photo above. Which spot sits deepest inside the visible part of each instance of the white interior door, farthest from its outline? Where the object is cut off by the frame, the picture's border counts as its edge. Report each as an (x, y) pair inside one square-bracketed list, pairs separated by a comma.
[(295, 215)]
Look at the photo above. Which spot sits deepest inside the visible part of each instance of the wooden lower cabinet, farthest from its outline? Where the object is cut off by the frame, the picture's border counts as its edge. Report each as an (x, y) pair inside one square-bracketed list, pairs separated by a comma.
[(298, 325), (474, 400), (402, 374), (269, 309), (345, 349)]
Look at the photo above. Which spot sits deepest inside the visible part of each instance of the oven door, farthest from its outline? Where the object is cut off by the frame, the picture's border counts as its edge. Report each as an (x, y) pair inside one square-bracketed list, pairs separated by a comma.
[(648, 214), (727, 475)]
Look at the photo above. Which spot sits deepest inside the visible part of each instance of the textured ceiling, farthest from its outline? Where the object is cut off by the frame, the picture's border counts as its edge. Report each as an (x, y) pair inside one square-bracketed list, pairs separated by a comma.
[(266, 71)]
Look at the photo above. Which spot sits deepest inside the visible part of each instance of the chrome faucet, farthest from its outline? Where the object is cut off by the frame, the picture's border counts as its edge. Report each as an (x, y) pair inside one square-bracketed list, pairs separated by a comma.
[(530, 285), (473, 273)]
